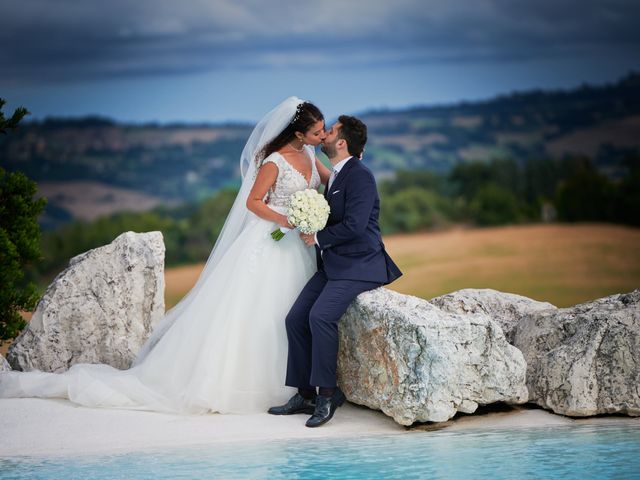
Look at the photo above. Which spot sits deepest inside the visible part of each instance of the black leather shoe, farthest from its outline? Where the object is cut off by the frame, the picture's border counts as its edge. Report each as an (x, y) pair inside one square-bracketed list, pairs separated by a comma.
[(296, 404), (325, 408)]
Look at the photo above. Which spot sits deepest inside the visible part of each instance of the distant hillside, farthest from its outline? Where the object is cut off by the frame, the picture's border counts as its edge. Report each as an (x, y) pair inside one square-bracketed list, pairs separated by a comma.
[(90, 167), (602, 123), (93, 166)]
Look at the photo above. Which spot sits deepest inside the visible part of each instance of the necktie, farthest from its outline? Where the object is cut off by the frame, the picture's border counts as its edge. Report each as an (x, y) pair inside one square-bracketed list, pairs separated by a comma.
[(332, 177)]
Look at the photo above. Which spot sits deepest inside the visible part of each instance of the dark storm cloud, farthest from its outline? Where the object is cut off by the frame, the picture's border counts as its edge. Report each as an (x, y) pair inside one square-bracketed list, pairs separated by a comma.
[(68, 40)]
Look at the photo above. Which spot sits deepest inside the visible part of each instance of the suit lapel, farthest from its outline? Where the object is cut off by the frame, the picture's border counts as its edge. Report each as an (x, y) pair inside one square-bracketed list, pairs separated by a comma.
[(342, 175)]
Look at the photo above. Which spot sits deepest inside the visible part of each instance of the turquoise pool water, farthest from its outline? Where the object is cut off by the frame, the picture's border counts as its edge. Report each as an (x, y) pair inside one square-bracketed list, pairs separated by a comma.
[(581, 452)]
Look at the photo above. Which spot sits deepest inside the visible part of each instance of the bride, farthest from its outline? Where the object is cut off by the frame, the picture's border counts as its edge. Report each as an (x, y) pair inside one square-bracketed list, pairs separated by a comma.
[(223, 348)]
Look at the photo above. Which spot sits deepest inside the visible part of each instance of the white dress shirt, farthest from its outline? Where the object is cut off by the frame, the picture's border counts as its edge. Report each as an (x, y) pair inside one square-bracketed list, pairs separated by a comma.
[(336, 170), (334, 173)]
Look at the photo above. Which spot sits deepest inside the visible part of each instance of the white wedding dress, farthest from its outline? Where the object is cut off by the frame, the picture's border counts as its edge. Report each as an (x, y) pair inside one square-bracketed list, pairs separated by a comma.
[(229, 354)]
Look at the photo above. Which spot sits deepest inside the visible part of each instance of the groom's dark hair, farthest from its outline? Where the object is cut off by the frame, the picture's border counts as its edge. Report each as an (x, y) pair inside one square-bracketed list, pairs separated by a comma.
[(354, 131)]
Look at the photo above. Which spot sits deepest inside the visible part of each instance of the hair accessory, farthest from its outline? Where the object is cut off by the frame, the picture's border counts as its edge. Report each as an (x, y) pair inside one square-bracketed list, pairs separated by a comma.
[(298, 112)]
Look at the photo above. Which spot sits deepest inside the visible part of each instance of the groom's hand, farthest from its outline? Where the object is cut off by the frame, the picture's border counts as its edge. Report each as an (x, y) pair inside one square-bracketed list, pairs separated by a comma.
[(308, 239)]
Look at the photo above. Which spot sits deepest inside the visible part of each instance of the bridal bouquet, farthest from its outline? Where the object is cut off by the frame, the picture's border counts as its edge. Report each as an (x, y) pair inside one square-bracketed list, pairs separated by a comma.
[(308, 211)]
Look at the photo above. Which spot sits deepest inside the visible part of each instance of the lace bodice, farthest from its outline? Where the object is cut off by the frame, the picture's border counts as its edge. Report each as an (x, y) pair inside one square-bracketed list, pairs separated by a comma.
[(290, 180)]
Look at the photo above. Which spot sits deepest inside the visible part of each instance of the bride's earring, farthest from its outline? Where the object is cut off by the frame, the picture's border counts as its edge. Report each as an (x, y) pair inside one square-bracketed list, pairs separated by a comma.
[(296, 147)]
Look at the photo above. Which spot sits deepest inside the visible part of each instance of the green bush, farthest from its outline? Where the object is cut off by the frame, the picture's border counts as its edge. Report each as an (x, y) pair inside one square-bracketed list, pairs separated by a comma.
[(627, 205), (586, 196), (19, 247), (414, 209), (495, 205)]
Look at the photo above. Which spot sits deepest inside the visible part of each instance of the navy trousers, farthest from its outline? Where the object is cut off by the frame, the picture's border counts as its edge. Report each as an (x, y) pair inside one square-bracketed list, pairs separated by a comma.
[(312, 329)]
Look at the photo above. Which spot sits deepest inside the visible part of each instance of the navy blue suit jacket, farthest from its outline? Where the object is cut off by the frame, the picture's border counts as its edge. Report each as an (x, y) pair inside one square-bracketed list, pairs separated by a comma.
[(351, 243)]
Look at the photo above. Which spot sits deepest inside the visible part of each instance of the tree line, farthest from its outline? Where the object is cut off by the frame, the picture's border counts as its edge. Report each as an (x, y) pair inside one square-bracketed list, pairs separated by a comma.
[(506, 192)]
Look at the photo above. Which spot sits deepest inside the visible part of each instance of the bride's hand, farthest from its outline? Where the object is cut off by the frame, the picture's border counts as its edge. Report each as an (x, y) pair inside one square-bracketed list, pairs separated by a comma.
[(284, 222)]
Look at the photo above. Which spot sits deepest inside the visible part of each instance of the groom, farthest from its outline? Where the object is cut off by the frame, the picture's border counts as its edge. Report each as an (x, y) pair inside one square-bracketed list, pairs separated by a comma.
[(351, 260)]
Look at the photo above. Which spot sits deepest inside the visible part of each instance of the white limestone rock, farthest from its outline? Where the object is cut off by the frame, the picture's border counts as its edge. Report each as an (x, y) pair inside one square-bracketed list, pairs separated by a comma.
[(99, 310), (584, 360), (507, 309), (415, 362), (4, 365)]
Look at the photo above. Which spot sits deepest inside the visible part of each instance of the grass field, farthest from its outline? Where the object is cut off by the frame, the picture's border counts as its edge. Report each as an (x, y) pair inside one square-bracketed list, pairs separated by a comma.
[(560, 264)]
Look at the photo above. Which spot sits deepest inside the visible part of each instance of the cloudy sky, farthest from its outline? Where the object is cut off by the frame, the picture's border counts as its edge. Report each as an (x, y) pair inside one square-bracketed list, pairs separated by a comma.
[(218, 60)]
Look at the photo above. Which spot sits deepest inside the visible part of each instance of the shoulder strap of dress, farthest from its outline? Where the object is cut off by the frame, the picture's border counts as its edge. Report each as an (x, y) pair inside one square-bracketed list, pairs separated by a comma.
[(275, 157)]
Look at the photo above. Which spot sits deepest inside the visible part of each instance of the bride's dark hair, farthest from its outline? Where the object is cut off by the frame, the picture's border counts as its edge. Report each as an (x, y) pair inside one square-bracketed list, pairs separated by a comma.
[(307, 114)]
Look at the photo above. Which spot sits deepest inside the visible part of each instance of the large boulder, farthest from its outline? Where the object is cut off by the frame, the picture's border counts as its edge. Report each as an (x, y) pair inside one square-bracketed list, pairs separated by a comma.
[(507, 309), (99, 310), (4, 365), (584, 360), (415, 362)]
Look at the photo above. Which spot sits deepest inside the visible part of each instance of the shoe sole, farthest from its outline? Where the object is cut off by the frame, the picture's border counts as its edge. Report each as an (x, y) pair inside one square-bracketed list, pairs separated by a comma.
[(308, 411)]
